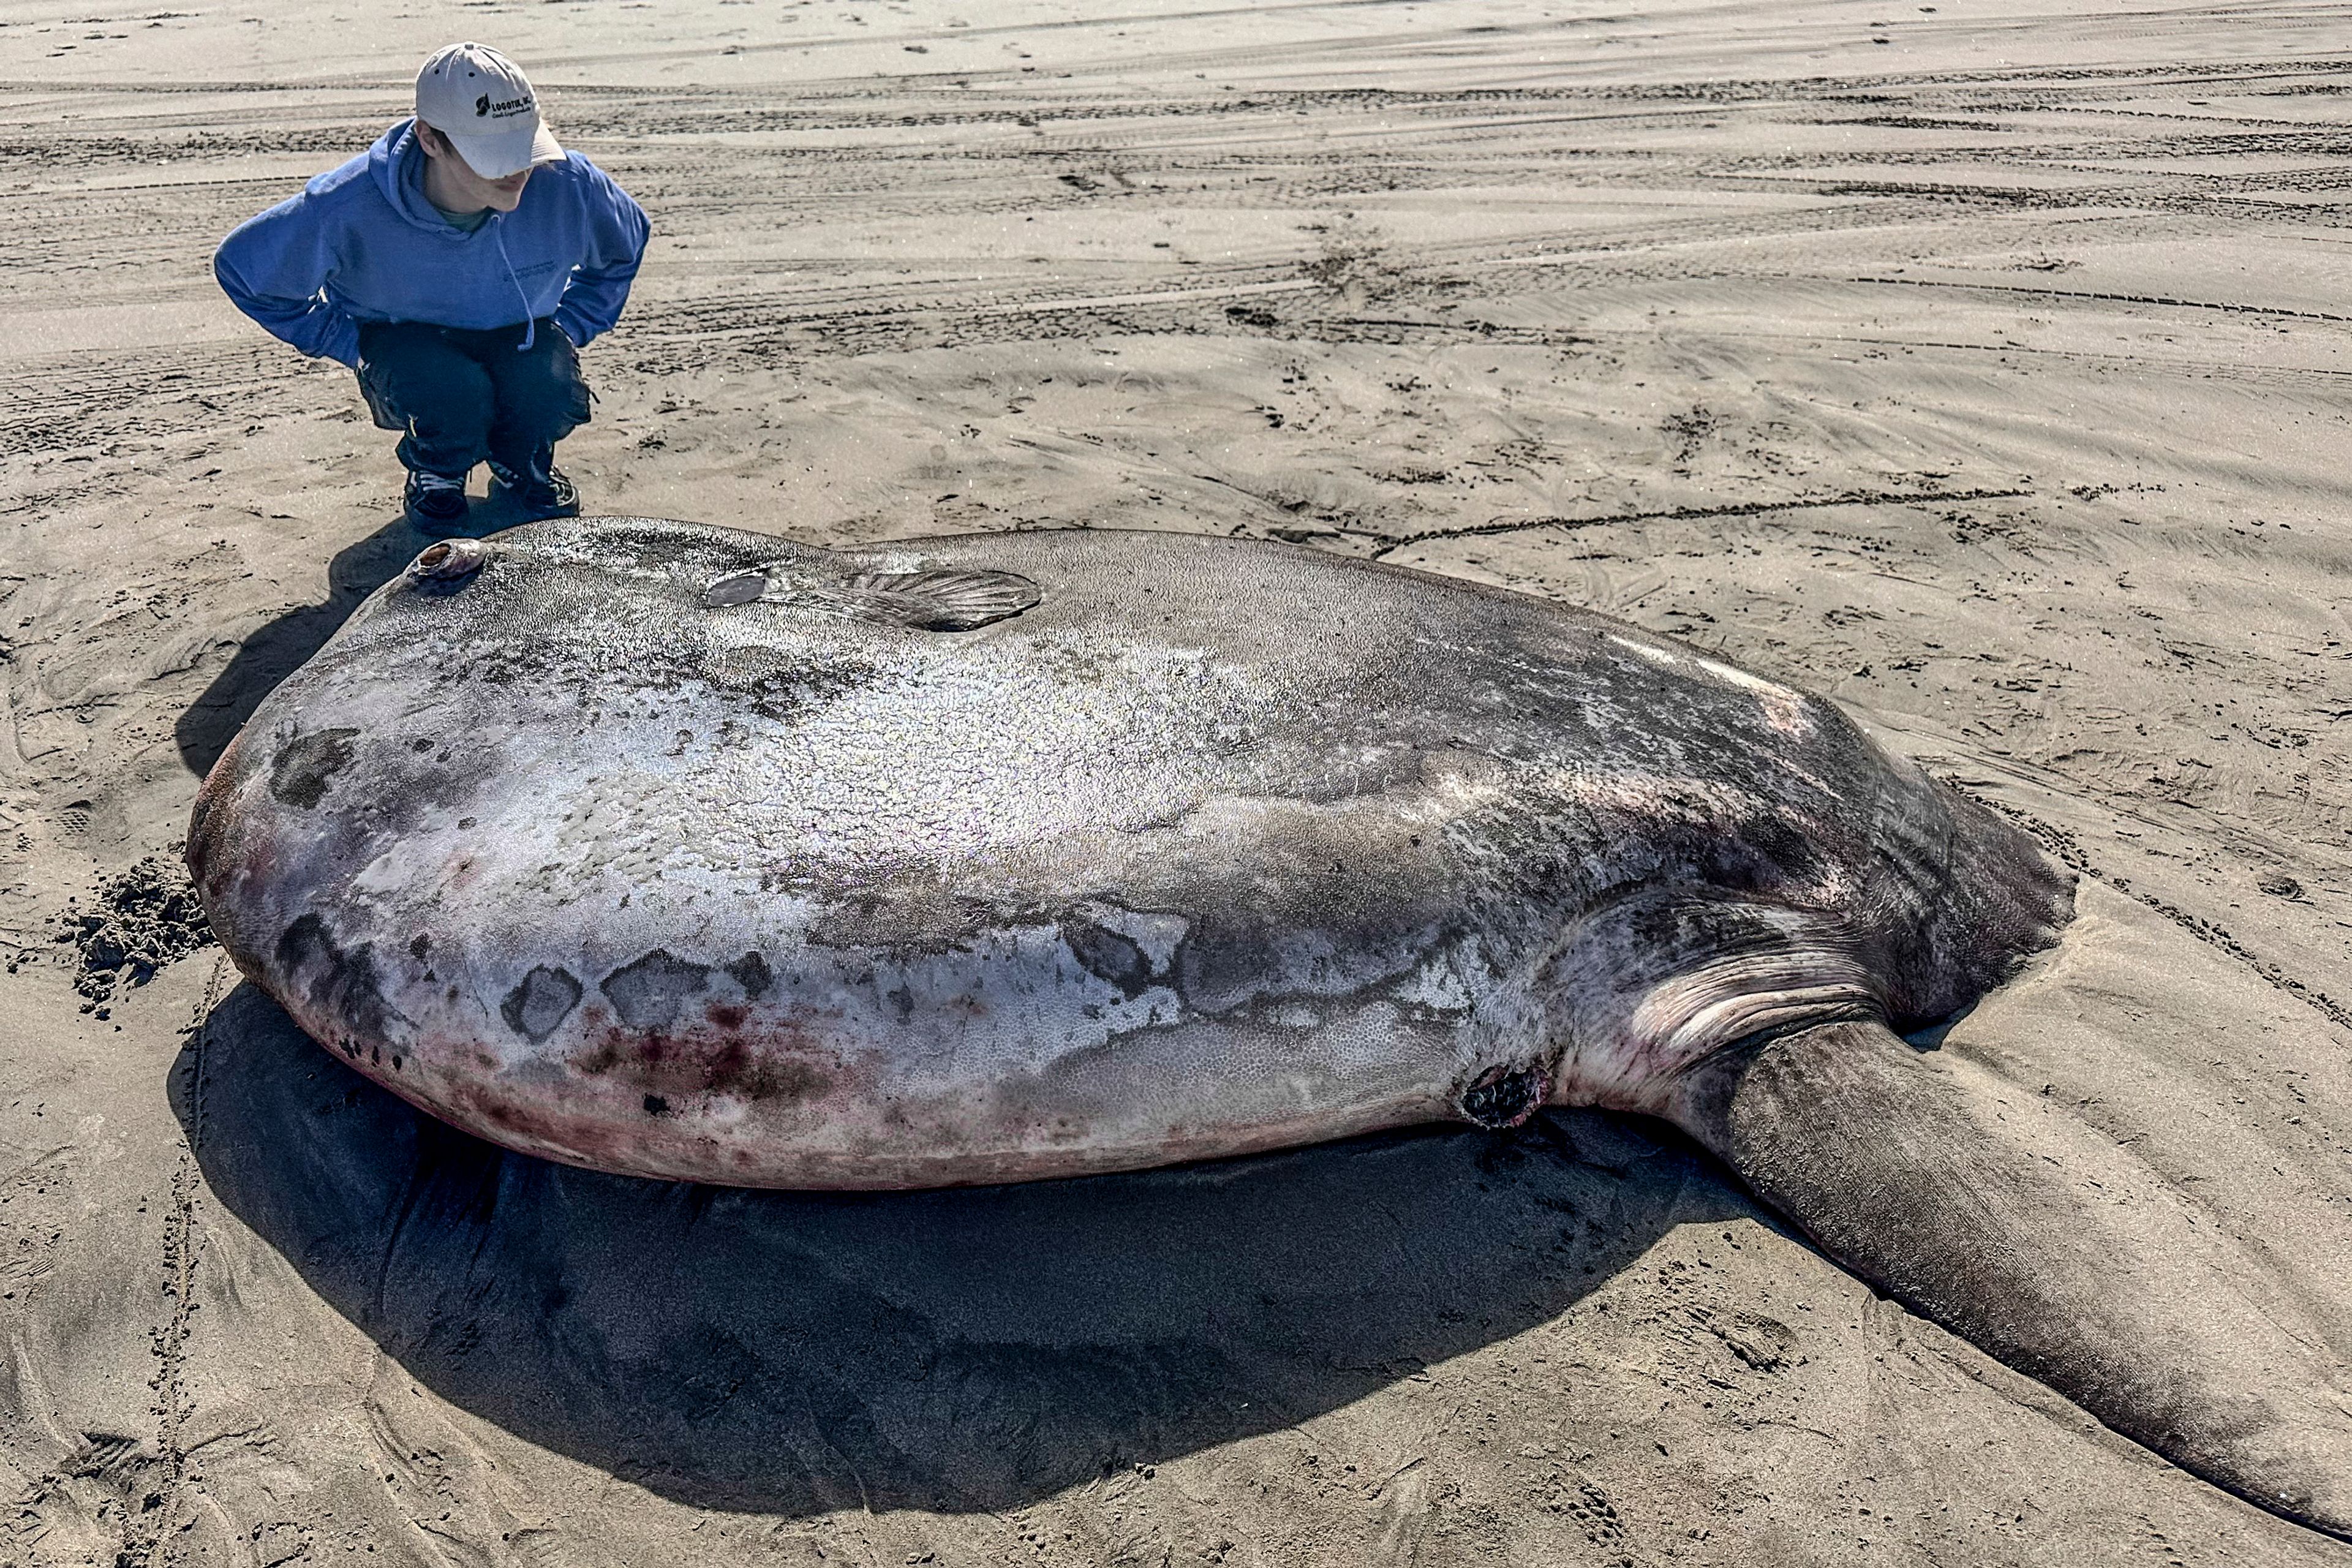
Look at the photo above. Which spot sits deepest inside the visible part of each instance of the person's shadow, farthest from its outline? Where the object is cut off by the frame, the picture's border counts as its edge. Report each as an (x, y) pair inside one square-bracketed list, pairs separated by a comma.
[(286, 644), (959, 1350)]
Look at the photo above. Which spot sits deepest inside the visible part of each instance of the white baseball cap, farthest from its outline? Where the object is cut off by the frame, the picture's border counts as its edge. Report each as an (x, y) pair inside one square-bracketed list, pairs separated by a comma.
[(483, 103)]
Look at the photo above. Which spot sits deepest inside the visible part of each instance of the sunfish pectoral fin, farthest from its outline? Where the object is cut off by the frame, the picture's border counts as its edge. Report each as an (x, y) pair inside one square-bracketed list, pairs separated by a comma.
[(944, 599), (2010, 1222)]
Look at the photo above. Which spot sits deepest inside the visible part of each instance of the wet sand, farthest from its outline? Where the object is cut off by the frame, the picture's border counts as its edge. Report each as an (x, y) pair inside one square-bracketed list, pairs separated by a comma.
[(1983, 365)]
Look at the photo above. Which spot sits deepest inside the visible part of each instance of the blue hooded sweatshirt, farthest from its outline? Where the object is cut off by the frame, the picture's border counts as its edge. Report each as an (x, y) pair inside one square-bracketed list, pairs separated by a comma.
[(361, 244)]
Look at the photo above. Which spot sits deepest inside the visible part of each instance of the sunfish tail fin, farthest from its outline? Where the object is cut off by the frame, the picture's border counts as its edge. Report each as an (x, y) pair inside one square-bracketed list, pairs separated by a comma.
[(2008, 1220)]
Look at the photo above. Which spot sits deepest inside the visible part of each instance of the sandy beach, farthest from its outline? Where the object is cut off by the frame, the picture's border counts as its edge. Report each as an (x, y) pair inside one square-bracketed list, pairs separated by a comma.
[(1983, 365)]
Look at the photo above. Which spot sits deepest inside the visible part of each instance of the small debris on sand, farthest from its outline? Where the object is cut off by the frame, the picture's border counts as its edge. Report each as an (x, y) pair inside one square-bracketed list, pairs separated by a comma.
[(144, 919)]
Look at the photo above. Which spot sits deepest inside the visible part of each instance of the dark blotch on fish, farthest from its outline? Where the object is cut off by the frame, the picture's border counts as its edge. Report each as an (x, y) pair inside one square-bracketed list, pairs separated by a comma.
[(751, 973), (1108, 955), (299, 774), (544, 999), (648, 994), (345, 985)]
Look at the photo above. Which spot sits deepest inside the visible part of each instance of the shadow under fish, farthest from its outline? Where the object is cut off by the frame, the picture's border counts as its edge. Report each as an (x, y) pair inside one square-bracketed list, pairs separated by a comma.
[(956, 1350)]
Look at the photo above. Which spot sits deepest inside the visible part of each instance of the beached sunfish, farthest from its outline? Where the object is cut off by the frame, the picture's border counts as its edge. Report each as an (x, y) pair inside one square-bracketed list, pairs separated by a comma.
[(692, 853)]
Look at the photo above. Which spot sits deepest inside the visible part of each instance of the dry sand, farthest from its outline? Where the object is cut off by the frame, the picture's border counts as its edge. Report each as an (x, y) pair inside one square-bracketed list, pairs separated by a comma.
[(1981, 364)]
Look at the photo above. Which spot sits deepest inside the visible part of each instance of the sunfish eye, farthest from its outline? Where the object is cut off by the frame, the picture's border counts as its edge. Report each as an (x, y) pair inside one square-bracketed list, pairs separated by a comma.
[(449, 559)]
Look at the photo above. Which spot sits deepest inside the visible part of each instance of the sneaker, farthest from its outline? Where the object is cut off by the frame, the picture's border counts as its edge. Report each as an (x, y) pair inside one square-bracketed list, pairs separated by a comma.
[(539, 495), (435, 502)]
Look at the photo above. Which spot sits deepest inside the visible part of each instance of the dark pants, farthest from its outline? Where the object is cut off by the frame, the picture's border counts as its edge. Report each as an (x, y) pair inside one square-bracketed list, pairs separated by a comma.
[(464, 395)]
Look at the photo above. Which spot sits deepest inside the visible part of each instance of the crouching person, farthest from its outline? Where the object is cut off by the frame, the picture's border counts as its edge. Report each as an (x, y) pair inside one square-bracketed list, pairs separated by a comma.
[(459, 265)]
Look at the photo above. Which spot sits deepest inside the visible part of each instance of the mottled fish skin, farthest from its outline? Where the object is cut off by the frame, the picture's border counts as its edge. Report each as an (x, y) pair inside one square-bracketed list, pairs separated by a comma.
[(694, 853)]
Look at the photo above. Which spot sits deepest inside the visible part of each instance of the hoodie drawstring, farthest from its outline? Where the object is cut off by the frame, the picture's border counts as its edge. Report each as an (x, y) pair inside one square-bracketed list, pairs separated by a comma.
[(530, 324)]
